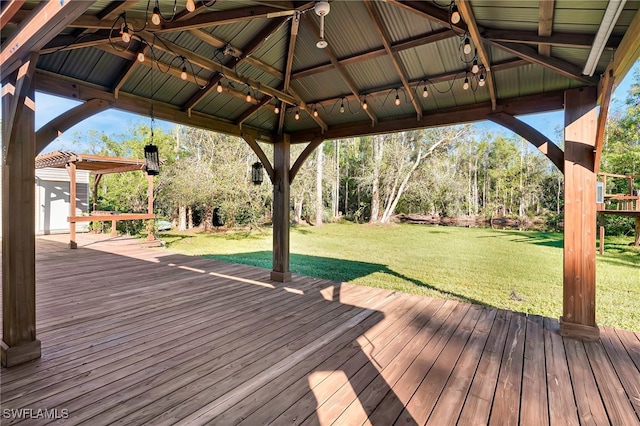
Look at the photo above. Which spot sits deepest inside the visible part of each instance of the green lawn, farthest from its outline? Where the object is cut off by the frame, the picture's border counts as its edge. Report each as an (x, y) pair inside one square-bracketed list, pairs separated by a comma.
[(521, 271)]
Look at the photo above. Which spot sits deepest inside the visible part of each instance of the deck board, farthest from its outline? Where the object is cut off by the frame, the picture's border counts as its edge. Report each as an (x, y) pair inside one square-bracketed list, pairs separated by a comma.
[(132, 335)]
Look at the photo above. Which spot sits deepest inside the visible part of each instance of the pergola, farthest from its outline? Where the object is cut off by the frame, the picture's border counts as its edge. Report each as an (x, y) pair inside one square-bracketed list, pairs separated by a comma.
[(286, 72)]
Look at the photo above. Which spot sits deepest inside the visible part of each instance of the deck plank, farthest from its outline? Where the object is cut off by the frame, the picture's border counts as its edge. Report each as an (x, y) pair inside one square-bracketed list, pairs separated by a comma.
[(534, 387), (627, 372)]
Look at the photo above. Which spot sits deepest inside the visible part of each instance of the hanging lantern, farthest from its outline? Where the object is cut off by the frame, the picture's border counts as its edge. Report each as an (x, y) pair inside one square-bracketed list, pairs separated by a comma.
[(257, 173), (151, 160)]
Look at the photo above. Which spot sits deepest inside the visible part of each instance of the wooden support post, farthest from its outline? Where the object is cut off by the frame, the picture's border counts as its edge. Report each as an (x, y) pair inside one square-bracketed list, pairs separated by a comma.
[(150, 236), (114, 231), (601, 233), (281, 209), (71, 169), (96, 182), (19, 343), (579, 298)]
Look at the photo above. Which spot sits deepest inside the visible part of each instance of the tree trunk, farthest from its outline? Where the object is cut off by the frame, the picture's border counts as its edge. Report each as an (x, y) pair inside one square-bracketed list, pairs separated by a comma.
[(189, 217), (297, 210), (319, 206), (182, 214), (375, 190), (336, 187)]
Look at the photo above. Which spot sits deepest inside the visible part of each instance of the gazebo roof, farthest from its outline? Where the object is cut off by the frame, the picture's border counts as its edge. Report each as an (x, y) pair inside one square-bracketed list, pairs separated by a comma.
[(97, 164), (529, 52)]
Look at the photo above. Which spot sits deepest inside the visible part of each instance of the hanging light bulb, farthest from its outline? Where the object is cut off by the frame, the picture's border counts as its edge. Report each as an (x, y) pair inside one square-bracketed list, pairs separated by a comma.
[(191, 5), (297, 116), (276, 110), (155, 18), (397, 101), (342, 106), (425, 92), (467, 46), (315, 111), (455, 15), (365, 106), (475, 68), (465, 85), (126, 35), (219, 88), (481, 80), (140, 57), (183, 74), (248, 98)]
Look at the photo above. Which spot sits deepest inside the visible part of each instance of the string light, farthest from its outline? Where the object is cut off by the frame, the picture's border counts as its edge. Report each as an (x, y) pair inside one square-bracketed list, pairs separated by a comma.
[(297, 116), (397, 101), (481, 80), (191, 5), (315, 111), (467, 46), (425, 92), (183, 74), (455, 14), (155, 18), (465, 85), (126, 35), (475, 68), (219, 88), (342, 106), (248, 98), (276, 110), (365, 106), (140, 57)]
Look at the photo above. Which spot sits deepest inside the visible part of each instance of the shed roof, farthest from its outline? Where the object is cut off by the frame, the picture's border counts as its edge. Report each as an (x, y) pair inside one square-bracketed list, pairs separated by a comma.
[(529, 52)]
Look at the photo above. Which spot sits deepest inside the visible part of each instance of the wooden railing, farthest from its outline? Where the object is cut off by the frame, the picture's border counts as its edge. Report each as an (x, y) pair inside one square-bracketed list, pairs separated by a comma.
[(622, 204)]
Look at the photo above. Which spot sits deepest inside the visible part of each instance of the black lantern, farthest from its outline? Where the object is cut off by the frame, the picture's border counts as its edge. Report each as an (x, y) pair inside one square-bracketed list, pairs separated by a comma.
[(151, 160), (256, 173)]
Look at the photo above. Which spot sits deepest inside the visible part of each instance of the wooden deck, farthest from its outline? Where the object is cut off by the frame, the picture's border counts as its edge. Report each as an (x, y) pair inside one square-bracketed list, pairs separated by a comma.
[(139, 336)]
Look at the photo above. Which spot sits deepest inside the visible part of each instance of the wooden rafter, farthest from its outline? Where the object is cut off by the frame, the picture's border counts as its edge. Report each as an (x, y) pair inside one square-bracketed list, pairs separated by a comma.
[(340, 69), (251, 47), (8, 11), (545, 24), (467, 14), (69, 42), (580, 41), (252, 110), (47, 133), (295, 25), (432, 37), (128, 71), (604, 94), (45, 22), (387, 47), (554, 64), (230, 74), (429, 11), (628, 50)]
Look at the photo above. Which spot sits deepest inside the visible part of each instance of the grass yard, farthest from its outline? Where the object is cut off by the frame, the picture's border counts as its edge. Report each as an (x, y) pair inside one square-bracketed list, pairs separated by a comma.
[(516, 270)]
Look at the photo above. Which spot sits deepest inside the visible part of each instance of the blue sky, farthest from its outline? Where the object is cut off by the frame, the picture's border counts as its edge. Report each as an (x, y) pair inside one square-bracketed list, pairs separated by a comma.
[(114, 122)]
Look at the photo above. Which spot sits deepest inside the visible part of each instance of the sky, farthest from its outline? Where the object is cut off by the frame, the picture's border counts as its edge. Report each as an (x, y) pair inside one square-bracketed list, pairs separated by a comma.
[(114, 123)]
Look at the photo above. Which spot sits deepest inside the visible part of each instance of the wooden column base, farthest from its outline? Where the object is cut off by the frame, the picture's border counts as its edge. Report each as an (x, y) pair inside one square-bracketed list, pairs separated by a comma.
[(19, 354), (282, 277), (579, 331)]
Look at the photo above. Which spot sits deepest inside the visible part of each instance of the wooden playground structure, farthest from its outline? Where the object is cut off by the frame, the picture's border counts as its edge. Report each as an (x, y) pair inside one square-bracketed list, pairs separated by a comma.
[(620, 204), (99, 166)]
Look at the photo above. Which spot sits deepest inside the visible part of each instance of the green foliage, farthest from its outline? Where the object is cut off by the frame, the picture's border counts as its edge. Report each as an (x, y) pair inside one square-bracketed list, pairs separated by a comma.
[(477, 265)]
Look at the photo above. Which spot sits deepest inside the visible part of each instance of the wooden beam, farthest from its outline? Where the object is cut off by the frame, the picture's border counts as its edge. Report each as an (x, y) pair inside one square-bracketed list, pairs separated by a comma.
[(253, 144), (120, 169), (47, 133), (540, 141), (46, 21), (128, 70), (545, 24), (295, 24), (579, 294), (281, 209), (208, 64), (429, 11), (628, 51), (340, 69), (9, 9), (560, 39), (315, 143), (554, 64), (399, 46), (252, 110), (604, 94), (115, 8), (251, 47), (68, 42), (79, 90), (378, 25), (19, 343), (447, 116), (467, 14)]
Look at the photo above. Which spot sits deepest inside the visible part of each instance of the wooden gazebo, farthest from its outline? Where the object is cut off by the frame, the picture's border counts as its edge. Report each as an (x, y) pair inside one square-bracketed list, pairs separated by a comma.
[(285, 72), (98, 165)]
